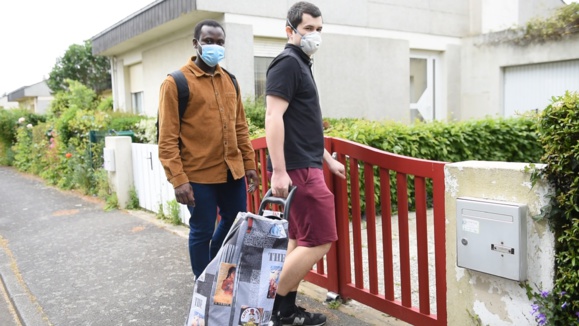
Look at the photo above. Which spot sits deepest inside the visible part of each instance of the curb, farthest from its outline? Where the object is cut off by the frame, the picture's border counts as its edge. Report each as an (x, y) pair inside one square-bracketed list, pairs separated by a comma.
[(21, 303)]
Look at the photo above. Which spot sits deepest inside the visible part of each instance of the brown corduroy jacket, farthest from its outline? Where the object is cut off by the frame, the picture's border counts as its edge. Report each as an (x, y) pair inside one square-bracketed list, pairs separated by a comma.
[(213, 135)]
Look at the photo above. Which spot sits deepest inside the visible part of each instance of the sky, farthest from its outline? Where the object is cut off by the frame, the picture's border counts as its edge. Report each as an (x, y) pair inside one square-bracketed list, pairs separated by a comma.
[(35, 33)]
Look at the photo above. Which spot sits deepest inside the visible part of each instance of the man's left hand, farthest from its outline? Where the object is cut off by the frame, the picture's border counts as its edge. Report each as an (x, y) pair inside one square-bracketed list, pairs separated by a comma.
[(252, 180), (337, 168)]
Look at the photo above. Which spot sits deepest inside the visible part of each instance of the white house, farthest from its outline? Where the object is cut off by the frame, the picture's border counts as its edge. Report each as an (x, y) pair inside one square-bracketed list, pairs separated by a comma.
[(36, 97), (380, 59), (4, 103)]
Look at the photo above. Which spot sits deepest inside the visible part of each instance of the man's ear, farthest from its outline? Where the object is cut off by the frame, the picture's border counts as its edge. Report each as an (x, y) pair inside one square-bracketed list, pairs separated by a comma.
[(195, 42), (288, 31)]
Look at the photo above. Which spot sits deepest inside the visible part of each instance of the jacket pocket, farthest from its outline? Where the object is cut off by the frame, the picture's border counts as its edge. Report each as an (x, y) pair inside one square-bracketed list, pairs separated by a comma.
[(231, 105)]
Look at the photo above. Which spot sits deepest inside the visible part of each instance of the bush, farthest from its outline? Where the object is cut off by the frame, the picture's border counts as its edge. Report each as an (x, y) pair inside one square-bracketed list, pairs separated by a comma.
[(77, 96), (9, 123), (112, 202), (123, 121), (103, 189), (490, 139), (174, 210), (559, 136), (67, 149), (22, 149), (255, 115), (133, 199), (146, 131), (6, 154)]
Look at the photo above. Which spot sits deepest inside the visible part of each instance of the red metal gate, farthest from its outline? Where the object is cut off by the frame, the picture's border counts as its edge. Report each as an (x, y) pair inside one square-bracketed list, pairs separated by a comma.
[(379, 265)]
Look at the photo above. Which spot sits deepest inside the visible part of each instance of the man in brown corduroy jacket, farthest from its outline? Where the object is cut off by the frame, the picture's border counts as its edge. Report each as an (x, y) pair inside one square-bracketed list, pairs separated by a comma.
[(207, 154)]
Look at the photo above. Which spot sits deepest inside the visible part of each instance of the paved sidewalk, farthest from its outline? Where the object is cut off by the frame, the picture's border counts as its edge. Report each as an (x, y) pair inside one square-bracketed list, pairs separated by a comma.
[(65, 261)]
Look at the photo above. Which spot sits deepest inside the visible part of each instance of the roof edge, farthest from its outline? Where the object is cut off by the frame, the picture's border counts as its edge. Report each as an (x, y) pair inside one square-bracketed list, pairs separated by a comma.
[(155, 14)]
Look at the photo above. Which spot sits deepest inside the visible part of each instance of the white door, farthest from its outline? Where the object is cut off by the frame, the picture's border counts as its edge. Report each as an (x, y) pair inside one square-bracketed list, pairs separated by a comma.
[(425, 71)]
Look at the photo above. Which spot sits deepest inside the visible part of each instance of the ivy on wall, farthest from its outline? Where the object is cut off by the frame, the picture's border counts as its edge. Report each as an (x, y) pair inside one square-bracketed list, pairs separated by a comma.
[(563, 23)]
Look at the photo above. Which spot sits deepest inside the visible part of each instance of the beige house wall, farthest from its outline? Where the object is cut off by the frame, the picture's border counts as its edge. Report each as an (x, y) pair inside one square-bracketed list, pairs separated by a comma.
[(441, 17), (482, 70), (471, 294), (367, 80), (362, 68), (377, 86), (42, 104)]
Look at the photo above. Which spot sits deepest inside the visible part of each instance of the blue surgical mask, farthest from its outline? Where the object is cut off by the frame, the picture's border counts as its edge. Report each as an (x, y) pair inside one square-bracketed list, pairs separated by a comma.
[(212, 54)]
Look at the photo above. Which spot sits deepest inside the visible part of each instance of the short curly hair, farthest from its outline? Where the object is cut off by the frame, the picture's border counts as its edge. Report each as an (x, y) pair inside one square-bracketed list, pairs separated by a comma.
[(206, 22)]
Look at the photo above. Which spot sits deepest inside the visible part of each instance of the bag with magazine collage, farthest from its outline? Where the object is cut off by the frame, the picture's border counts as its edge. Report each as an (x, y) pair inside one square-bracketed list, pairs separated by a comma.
[(238, 286)]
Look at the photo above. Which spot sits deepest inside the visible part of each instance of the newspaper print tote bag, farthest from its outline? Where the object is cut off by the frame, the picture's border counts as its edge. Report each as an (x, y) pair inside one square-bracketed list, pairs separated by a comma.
[(238, 286)]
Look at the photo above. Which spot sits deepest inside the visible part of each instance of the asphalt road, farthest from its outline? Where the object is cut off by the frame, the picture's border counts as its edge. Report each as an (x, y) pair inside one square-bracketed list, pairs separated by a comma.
[(65, 261)]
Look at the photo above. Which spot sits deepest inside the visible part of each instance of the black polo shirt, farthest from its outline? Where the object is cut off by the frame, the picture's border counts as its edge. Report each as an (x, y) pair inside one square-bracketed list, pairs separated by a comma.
[(290, 77)]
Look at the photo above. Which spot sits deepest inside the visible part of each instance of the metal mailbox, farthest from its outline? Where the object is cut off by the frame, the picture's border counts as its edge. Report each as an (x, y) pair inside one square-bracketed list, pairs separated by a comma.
[(491, 237)]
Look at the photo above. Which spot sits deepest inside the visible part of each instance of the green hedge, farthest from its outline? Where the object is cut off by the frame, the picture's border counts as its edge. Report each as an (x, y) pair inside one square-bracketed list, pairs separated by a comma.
[(489, 139), (559, 136)]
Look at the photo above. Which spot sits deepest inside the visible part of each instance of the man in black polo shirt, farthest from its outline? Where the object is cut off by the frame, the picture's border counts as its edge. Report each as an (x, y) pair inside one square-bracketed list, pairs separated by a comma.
[(295, 141)]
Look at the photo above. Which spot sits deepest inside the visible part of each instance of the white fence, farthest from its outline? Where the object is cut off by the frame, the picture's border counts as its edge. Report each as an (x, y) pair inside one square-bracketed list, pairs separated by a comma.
[(150, 181)]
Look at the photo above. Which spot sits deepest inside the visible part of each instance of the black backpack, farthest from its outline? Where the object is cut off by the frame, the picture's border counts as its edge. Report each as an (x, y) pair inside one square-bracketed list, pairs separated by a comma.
[(183, 93)]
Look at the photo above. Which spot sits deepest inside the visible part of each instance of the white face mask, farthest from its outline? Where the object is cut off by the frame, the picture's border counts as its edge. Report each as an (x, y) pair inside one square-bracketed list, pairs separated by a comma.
[(309, 42)]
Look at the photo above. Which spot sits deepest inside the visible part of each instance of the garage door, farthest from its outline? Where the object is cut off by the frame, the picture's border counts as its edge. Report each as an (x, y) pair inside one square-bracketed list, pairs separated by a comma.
[(530, 87)]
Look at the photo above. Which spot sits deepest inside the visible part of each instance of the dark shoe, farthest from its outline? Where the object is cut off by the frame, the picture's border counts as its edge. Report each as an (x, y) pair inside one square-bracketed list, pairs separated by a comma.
[(301, 317), (275, 319)]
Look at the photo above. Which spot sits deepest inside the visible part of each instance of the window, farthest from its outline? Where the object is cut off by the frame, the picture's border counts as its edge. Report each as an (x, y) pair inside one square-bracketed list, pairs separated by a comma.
[(261, 64), (137, 102), (136, 88), (264, 51)]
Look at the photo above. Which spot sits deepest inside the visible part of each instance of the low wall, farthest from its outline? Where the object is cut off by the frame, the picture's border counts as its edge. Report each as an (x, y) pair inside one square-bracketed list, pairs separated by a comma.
[(476, 298)]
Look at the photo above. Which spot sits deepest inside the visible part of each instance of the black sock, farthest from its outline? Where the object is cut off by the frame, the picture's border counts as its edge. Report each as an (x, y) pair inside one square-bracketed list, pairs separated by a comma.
[(277, 302), (287, 305)]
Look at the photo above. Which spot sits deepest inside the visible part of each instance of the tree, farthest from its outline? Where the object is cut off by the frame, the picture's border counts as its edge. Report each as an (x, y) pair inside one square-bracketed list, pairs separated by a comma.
[(78, 63)]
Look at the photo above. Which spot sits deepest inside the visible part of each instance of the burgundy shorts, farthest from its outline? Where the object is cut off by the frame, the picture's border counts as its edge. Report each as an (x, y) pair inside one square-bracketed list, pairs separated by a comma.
[(312, 220)]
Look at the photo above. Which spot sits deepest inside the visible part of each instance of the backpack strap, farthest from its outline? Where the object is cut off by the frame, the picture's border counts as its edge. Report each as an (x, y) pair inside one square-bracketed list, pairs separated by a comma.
[(233, 79), (182, 91)]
